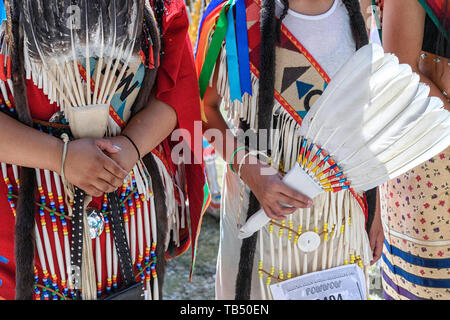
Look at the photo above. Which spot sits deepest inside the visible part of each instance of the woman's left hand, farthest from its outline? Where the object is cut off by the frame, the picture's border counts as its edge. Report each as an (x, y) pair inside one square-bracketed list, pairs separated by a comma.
[(376, 233), (127, 157)]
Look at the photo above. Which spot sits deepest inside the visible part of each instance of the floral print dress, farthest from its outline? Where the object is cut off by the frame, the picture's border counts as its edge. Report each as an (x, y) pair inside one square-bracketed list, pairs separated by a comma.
[(415, 209)]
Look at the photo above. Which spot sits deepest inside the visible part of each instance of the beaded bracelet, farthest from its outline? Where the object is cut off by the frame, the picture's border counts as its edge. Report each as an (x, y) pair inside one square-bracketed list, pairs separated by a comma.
[(234, 154)]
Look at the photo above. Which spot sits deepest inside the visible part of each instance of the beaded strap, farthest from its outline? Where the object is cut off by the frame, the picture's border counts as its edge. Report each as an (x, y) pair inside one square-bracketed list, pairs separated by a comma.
[(120, 240), (76, 250)]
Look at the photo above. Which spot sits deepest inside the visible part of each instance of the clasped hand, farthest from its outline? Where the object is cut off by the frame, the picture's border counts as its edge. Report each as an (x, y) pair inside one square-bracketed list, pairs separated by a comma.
[(99, 166), (276, 198)]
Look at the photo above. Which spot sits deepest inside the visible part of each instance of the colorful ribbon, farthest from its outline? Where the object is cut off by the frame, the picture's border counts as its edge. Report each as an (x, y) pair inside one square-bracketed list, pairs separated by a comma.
[(232, 58), (214, 50), (211, 6), (234, 32)]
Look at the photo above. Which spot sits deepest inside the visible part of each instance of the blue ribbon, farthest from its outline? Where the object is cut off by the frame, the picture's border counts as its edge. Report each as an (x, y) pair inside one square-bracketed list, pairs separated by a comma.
[(418, 261), (426, 282), (232, 58), (2, 12), (243, 51)]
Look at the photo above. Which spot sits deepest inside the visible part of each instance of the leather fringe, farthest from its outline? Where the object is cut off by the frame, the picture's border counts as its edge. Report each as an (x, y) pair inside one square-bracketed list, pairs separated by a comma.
[(161, 217)]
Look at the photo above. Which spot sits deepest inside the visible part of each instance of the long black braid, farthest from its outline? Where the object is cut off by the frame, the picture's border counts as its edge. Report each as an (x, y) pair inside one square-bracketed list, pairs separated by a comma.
[(270, 29), (357, 22), (25, 215)]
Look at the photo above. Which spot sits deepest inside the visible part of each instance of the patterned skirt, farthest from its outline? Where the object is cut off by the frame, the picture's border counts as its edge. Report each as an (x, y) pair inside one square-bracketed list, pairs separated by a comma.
[(415, 210)]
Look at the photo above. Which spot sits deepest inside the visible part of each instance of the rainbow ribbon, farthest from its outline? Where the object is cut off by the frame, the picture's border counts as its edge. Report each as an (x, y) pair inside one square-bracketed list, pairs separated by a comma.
[(214, 50), (212, 5)]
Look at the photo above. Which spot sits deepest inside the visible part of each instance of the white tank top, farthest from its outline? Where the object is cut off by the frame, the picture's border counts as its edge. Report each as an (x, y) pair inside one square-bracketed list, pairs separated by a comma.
[(328, 37)]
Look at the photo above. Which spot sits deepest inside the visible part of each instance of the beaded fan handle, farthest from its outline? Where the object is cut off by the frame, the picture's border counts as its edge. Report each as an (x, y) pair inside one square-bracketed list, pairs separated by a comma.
[(325, 164)]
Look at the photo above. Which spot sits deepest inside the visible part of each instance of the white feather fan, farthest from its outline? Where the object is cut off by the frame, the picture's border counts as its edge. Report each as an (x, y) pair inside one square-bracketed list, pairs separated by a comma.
[(373, 122)]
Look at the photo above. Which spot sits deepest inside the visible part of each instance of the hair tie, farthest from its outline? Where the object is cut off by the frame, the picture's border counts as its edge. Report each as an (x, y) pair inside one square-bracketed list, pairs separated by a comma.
[(134, 144)]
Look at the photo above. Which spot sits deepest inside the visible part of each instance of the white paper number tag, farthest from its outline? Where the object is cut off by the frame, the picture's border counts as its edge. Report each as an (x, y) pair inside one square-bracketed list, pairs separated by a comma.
[(341, 283)]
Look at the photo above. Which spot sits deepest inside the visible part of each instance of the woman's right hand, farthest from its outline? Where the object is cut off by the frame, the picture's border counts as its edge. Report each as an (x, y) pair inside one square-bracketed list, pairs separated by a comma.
[(90, 169), (271, 191)]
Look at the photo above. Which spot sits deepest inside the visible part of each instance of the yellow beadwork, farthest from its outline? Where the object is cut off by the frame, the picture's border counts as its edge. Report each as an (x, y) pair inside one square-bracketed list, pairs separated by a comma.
[(291, 227), (280, 232)]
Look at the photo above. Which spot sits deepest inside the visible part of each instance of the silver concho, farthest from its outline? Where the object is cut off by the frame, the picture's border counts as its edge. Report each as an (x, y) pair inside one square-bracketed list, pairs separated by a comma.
[(96, 222), (309, 242)]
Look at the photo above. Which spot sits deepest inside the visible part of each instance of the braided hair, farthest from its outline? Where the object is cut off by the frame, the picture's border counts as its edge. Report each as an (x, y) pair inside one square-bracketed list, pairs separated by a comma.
[(270, 33), (357, 22), (25, 215)]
